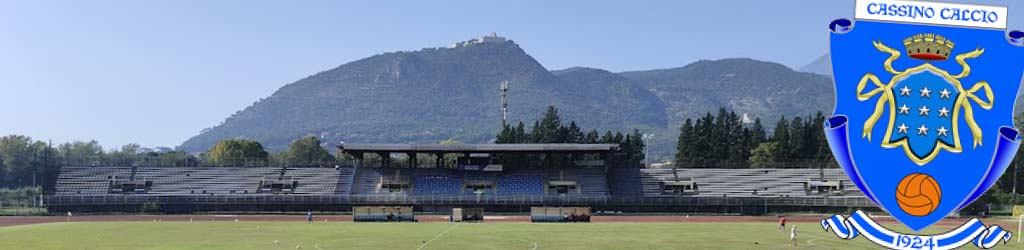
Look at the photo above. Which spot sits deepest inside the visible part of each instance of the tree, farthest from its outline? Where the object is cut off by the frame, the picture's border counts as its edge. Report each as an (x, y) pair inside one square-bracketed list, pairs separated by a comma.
[(505, 136), (519, 134), (21, 158), (547, 129), (126, 156), (551, 130), (824, 153), (685, 144), (636, 146), (307, 152), (3, 170), (720, 136), (738, 144), (173, 158), (279, 159), (81, 153), (797, 139), (535, 133), (592, 137), (781, 139), (763, 156), (237, 152), (574, 135), (561, 135), (757, 133), (705, 142), (608, 137)]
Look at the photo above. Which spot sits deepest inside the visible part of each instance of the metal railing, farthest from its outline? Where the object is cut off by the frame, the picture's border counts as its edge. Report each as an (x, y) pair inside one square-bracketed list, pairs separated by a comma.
[(68, 200)]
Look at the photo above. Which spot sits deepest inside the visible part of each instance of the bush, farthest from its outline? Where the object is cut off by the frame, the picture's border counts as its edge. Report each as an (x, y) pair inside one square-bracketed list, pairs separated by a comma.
[(151, 208)]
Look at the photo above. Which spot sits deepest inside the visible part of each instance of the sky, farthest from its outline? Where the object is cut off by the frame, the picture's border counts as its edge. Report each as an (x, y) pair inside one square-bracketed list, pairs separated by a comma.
[(157, 72)]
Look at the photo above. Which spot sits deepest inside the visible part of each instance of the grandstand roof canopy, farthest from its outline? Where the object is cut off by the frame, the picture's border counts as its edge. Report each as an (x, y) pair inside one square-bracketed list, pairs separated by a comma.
[(475, 148)]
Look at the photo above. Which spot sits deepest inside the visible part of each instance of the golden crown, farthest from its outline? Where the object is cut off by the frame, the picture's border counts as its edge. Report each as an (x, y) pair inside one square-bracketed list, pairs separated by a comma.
[(928, 46)]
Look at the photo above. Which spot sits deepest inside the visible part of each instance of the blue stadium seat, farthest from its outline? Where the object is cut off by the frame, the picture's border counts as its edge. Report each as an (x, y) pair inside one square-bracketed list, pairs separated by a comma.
[(437, 184), (521, 185)]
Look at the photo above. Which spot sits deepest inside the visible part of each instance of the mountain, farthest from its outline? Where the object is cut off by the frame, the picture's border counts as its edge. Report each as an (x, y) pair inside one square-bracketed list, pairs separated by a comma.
[(755, 88), (434, 94), (609, 89), (821, 66)]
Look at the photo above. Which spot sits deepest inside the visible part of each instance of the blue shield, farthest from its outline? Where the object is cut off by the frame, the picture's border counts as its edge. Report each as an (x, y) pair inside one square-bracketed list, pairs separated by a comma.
[(923, 116)]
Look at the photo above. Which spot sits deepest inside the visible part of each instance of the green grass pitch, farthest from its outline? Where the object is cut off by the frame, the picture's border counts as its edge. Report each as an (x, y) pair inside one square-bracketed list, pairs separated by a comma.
[(421, 236)]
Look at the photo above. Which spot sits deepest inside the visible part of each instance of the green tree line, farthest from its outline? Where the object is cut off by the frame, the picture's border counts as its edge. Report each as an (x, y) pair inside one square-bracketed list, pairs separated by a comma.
[(25, 162), (551, 129), (725, 141)]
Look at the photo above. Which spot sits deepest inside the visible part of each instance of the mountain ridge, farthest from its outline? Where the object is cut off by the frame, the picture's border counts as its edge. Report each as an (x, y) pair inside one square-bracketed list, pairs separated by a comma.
[(433, 94)]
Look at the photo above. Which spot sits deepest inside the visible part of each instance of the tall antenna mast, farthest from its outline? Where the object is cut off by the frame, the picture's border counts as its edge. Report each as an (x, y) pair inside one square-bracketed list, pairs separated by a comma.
[(504, 104)]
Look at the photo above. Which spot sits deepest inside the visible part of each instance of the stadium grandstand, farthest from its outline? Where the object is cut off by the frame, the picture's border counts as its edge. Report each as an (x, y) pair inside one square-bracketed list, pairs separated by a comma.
[(437, 178)]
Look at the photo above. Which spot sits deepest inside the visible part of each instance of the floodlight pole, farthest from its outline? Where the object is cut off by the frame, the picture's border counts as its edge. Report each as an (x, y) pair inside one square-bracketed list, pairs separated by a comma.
[(647, 157), (504, 104)]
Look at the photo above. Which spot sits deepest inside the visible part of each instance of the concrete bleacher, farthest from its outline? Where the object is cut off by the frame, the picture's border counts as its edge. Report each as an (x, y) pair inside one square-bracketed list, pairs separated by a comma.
[(88, 180), (442, 182), (367, 181), (320, 180), (591, 181), (745, 182), (204, 180), (370, 180)]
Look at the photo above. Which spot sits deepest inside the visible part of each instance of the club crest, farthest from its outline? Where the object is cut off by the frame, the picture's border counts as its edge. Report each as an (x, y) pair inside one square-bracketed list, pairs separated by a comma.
[(924, 102), (923, 117)]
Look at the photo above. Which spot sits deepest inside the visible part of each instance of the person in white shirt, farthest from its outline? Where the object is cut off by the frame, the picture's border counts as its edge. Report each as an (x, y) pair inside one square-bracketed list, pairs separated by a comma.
[(792, 236)]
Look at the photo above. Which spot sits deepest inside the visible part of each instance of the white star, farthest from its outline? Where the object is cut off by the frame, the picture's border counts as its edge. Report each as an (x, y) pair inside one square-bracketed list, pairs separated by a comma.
[(904, 109), (943, 112), (944, 94), (903, 128), (904, 91), (943, 131), (923, 110), (922, 130), (925, 92)]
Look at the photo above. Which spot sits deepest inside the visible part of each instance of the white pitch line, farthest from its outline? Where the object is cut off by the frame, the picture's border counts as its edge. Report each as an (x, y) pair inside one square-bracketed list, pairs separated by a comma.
[(811, 241), (436, 237), (317, 246)]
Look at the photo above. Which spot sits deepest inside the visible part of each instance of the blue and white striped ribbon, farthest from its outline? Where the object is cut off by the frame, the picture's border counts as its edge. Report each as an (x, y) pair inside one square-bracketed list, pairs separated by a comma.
[(971, 232)]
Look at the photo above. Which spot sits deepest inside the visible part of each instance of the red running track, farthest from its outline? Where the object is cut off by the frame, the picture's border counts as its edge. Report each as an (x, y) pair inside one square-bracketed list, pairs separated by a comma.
[(23, 220)]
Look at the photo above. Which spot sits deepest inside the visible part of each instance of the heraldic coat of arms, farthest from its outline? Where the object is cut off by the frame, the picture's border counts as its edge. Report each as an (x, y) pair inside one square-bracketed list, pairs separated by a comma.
[(923, 118)]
